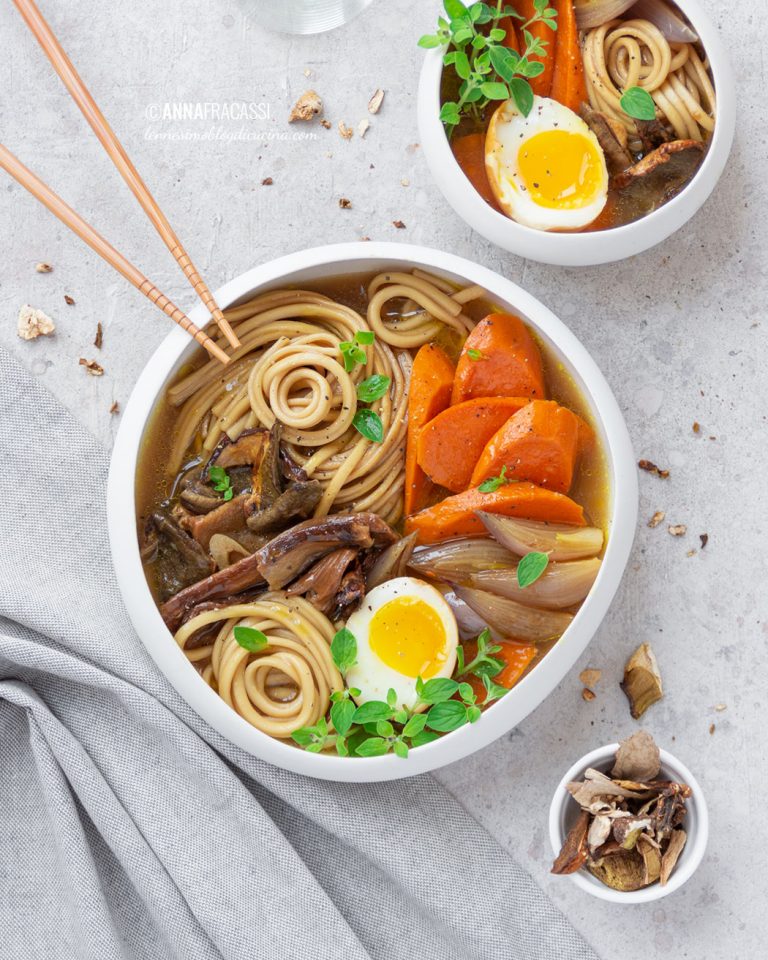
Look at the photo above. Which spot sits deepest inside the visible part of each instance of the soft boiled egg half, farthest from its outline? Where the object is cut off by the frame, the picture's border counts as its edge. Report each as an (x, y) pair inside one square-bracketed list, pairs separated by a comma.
[(404, 630), (546, 170)]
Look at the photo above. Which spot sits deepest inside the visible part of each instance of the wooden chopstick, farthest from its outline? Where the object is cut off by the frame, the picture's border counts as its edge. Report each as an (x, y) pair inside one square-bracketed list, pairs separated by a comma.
[(85, 231), (82, 97)]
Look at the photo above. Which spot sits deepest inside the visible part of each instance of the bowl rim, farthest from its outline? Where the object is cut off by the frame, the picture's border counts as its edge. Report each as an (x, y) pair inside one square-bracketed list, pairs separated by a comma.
[(695, 847), (534, 688), (598, 247)]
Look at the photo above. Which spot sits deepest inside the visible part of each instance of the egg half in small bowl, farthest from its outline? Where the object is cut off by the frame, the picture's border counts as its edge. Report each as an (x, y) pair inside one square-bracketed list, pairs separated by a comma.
[(546, 170), (404, 630)]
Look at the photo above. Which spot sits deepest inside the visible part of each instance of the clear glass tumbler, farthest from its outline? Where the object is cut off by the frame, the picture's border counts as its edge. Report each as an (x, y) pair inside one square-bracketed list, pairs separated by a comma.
[(307, 16)]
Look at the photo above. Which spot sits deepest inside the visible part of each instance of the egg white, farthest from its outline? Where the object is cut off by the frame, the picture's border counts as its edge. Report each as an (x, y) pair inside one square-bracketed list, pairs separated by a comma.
[(506, 136), (370, 674)]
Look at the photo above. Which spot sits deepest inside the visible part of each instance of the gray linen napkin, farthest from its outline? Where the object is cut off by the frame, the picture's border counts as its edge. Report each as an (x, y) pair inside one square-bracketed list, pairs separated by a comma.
[(128, 828)]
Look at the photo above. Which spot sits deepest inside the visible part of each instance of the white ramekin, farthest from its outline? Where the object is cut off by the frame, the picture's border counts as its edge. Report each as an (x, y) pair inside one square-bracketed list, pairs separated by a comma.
[(564, 810), (303, 268), (580, 249)]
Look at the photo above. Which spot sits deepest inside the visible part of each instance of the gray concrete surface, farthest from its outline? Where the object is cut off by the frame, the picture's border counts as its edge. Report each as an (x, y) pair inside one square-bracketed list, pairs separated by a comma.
[(679, 332)]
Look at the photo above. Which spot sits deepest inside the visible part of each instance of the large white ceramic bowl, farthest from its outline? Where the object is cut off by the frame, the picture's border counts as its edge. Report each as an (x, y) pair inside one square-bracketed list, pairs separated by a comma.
[(564, 810), (303, 268), (580, 249)]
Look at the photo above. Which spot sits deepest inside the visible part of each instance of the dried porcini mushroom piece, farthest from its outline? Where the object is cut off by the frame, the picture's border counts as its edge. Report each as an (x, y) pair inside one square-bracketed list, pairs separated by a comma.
[(637, 758), (590, 677), (43, 267), (307, 107), (623, 871), (345, 132), (573, 854), (656, 519), (374, 104), (629, 831), (650, 467), (642, 680), (95, 369), (34, 323), (672, 854)]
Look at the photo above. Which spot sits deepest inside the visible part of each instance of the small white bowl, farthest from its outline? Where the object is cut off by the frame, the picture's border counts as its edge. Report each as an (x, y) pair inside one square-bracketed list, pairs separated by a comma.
[(581, 249), (564, 810), (304, 268)]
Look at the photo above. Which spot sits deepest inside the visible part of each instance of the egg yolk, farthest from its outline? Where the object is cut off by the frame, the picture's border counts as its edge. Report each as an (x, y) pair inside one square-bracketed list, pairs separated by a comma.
[(561, 170), (407, 635)]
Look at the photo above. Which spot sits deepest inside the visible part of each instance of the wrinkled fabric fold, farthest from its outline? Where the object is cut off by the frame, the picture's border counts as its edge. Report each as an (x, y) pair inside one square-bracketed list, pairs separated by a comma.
[(130, 829)]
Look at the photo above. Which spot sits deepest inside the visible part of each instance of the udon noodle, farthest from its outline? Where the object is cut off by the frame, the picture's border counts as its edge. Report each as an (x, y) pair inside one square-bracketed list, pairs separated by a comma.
[(286, 686), (289, 368), (619, 55)]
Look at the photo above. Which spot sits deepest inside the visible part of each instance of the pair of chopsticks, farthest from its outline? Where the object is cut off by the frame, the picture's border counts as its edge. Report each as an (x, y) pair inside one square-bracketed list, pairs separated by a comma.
[(82, 97)]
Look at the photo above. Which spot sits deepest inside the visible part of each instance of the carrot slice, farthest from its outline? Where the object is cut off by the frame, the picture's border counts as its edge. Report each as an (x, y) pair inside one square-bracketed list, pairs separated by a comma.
[(539, 443), (469, 152), (457, 516), (430, 392), (568, 84), (516, 657), (500, 358), (540, 85), (449, 445)]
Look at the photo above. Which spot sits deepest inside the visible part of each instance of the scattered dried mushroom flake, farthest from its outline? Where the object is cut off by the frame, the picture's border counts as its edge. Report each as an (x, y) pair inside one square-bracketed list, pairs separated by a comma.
[(345, 132), (642, 680), (398, 224), (590, 677), (678, 529), (704, 537), (656, 519), (363, 126), (650, 467), (43, 267), (267, 182), (345, 203), (307, 107), (588, 695), (374, 104), (95, 369), (628, 833), (99, 338), (34, 323), (70, 302), (115, 408), (326, 123)]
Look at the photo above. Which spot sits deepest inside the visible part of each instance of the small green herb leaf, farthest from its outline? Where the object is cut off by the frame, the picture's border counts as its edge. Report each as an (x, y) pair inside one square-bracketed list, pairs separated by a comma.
[(373, 388), (476, 354), (492, 484), (493, 691), (473, 713), (438, 689), (521, 94), (250, 639), (344, 650), (384, 728), (372, 747), (342, 714), (426, 736), (447, 716), (365, 337), (368, 423), (400, 749), (530, 568), (352, 354), (430, 41), (415, 725), (494, 90), (303, 736), (373, 711), (221, 482), (638, 104)]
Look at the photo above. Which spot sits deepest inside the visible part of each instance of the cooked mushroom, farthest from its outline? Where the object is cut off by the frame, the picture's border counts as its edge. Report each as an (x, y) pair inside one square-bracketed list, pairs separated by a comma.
[(661, 174), (291, 553), (296, 502), (228, 517), (322, 581), (611, 136), (652, 134), (177, 559)]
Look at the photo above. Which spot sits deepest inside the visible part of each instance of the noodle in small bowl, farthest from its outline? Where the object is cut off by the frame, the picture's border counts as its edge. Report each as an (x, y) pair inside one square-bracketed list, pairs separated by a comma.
[(694, 92), (207, 664)]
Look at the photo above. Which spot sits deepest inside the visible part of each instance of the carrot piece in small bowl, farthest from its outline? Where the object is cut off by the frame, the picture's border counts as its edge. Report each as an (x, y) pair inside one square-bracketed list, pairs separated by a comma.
[(500, 358), (451, 443), (539, 443), (429, 394)]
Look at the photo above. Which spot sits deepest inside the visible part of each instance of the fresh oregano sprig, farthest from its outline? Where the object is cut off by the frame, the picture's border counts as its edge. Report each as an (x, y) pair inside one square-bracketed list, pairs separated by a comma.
[(220, 481), (489, 71)]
